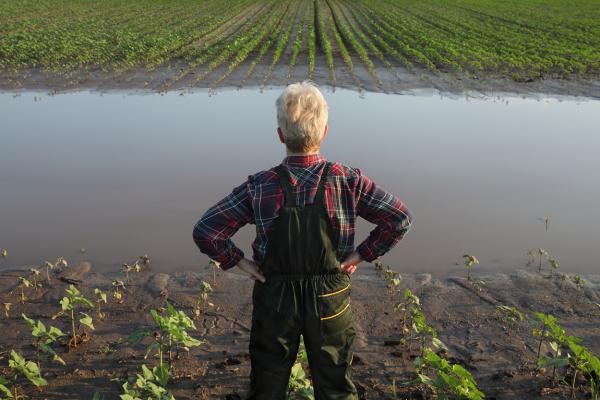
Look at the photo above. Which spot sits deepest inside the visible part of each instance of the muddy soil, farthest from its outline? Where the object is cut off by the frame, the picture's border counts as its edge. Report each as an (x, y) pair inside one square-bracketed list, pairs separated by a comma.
[(394, 79), (463, 312)]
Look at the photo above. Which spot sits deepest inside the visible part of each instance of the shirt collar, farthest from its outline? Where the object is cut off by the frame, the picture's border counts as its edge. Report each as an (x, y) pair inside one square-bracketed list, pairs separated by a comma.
[(303, 160)]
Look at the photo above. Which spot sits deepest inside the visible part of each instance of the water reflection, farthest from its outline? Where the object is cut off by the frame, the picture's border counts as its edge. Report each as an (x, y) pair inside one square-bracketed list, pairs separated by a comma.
[(123, 175)]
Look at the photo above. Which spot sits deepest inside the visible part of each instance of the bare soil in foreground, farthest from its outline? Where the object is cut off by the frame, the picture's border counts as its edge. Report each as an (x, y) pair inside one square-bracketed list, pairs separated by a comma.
[(392, 80), (464, 313)]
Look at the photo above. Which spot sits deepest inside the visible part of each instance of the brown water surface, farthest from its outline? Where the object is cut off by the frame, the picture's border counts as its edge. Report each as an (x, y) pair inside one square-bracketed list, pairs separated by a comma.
[(126, 174)]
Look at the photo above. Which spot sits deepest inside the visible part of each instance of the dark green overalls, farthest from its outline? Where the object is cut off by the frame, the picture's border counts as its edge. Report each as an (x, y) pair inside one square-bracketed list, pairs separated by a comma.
[(305, 293)]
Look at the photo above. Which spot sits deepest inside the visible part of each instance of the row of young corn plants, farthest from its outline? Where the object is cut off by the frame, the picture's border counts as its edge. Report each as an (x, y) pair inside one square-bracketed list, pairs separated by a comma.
[(237, 54), (283, 40), (280, 40), (217, 53), (323, 39), (299, 39), (345, 33)]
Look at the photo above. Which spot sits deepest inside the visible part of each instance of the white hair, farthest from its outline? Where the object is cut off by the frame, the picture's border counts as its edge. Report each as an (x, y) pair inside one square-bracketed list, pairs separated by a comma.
[(302, 116)]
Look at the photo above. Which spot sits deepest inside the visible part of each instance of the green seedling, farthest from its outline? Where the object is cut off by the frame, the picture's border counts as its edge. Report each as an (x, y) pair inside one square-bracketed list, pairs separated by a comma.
[(214, 266), (4, 253), (101, 297), (20, 366), (511, 317), (469, 262), (126, 269), (547, 327), (394, 279), (584, 362), (24, 283), (35, 274), (445, 379), (578, 281), (541, 253), (149, 385), (145, 259), (554, 264), (415, 319), (60, 262), (69, 305), (44, 338), (171, 331), (202, 301), (7, 307), (117, 294), (299, 385)]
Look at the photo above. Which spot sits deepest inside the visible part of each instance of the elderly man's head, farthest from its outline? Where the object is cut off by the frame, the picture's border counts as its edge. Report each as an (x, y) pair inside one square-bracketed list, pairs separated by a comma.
[(302, 117)]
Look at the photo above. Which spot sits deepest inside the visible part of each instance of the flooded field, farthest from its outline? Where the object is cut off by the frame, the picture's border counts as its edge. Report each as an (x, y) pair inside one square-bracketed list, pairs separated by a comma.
[(108, 177)]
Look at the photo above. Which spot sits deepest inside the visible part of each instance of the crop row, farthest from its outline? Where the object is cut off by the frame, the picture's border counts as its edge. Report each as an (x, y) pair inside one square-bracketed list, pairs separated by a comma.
[(528, 40)]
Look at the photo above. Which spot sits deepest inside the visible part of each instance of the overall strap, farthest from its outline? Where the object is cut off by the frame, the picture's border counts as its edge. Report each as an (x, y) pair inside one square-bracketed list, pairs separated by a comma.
[(322, 183), (286, 185)]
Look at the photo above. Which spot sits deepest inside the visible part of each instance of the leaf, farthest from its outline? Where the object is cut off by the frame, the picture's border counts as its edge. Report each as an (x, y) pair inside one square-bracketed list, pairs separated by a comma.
[(161, 372), (137, 335), (86, 320)]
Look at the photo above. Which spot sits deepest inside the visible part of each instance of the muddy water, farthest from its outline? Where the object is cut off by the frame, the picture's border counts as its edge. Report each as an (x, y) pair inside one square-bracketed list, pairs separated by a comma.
[(120, 175)]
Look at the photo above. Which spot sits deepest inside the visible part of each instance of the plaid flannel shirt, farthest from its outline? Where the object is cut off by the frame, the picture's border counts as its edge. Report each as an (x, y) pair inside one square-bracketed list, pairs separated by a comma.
[(257, 201)]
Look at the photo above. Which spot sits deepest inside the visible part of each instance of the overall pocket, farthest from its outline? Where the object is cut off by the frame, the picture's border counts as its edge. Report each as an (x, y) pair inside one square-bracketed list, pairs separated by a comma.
[(335, 313)]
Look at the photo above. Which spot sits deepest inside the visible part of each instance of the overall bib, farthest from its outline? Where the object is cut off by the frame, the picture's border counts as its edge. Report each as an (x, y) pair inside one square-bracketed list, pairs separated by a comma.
[(305, 293)]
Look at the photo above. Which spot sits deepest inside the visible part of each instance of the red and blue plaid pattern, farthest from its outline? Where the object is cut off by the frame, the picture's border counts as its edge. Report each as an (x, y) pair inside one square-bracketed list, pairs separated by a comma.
[(349, 194)]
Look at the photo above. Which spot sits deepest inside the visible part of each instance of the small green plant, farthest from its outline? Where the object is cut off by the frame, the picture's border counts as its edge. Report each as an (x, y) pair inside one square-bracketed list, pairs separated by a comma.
[(117, 294), (202, 300), (7, 307), (44, 338), (511, 316), (149, 385), (101, 297), (171, 331), (60, 262), (578, 281), (35, 274), (214, 266), (394, 279), (69, 305), (414, 319), (299, 384), (20, 366), (469, 262), (24, 283), (4, 253), (445, 379), (554, 264)]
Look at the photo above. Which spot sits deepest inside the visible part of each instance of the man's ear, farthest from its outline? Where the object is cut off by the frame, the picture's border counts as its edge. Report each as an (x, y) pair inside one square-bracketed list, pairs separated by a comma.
[(280, 134), (326, 130)]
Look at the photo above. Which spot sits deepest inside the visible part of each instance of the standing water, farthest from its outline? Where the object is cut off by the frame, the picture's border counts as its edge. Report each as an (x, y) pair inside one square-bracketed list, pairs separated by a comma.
[(123, 175)]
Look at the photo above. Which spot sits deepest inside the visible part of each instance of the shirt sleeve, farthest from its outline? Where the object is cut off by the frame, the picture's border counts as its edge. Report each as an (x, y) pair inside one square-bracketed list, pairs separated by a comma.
[(383, 209), (213, 231)]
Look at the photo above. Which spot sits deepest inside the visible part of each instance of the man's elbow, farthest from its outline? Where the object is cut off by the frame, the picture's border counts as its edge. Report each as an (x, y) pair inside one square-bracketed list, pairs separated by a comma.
[(200, 237)]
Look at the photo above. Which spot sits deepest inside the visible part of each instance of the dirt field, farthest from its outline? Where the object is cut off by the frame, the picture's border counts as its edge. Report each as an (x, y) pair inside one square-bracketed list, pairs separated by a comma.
[(463, 313)]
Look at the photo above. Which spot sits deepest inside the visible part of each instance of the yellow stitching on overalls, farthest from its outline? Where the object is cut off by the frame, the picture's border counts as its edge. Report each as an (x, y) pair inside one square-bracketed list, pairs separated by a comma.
[(334, 293), (336, 314)]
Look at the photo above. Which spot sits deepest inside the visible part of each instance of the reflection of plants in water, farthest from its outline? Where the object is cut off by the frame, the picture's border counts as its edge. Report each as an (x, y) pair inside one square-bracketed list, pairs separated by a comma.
[(510, 316), (299, 385), (469, 262)]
